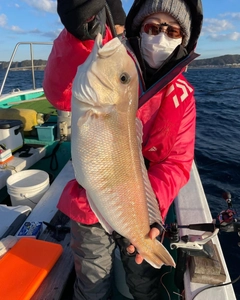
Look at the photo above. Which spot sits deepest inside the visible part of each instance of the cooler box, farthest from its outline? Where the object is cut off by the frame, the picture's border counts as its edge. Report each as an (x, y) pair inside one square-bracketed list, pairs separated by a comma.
[(11, 134), (12, 218)]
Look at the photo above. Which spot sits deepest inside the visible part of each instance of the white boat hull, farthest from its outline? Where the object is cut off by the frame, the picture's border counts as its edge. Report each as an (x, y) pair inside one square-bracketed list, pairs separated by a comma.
[(192, 207)]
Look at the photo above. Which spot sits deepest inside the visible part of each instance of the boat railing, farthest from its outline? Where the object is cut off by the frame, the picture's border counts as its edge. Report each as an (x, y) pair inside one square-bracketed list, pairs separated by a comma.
[(32, 67)]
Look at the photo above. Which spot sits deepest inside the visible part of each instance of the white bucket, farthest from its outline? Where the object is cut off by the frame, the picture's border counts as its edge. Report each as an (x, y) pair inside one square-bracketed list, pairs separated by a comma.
[(120, 276), (27, 187)]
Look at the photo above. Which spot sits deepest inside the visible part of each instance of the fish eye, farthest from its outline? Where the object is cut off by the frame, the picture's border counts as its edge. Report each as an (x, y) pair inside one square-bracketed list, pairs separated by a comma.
[(125, 78)]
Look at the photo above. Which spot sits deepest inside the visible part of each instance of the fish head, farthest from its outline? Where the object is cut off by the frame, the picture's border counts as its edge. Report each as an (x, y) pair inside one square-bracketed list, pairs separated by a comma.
[(108, 78)]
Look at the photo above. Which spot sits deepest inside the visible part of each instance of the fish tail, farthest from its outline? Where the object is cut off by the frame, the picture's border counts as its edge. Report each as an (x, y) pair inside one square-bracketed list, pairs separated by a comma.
[(158, 255)]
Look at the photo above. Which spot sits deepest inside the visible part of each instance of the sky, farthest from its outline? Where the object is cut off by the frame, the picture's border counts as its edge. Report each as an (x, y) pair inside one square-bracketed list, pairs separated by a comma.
[(38, 21)]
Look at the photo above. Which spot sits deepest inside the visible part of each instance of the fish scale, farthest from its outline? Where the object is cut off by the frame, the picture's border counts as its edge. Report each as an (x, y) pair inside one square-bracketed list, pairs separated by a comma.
[(106, 148)]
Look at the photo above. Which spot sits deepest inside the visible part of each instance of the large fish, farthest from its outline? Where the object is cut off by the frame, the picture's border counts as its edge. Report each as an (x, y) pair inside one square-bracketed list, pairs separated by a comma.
[(106, 148)]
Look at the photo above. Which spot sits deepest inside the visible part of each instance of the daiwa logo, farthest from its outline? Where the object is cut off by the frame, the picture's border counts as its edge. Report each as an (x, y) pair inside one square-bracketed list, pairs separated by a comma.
[(186, 89)]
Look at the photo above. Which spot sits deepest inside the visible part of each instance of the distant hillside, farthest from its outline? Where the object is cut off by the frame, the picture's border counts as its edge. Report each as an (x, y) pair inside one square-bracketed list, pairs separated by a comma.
[(25, 64), (220, 61)]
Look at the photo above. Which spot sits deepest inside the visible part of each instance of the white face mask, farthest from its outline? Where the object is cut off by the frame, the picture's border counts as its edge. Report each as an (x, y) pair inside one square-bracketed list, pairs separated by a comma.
[(157, 48)]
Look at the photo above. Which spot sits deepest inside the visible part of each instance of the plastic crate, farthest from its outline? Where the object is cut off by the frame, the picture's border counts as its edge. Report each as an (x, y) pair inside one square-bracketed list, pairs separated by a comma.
[(47, 132)]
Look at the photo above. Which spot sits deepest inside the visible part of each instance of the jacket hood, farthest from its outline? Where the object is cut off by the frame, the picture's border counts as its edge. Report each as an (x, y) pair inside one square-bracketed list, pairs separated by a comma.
[(195, 7)]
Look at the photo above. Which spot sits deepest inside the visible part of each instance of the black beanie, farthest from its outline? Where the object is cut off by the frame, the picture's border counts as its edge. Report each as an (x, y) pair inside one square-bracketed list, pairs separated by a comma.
[(175, 8)]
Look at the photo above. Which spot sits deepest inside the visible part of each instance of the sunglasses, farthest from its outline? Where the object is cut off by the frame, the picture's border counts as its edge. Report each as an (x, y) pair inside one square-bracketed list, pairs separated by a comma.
[(155, 29)]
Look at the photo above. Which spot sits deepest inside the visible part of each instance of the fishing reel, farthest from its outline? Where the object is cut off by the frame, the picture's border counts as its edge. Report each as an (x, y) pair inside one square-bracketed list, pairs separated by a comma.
[(228, 220)]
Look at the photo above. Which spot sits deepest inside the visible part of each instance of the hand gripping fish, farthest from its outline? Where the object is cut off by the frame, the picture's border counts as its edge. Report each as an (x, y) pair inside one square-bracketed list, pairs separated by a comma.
[(106, 148)]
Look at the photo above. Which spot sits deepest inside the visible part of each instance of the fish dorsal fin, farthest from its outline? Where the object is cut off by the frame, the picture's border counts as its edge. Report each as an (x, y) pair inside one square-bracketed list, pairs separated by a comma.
[(152, 203)]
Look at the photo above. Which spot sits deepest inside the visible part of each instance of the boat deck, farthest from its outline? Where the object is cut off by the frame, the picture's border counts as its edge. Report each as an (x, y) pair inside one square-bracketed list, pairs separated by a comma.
[(58, 285), (191, 205), (55, 287), (49, 156)]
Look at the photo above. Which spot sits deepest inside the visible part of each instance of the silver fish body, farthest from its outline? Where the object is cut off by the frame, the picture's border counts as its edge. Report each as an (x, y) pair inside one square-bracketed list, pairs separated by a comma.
[(106, 148)]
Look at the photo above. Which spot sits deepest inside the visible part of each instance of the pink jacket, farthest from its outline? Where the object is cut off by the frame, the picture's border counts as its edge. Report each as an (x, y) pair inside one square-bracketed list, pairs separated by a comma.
[(168, 128)]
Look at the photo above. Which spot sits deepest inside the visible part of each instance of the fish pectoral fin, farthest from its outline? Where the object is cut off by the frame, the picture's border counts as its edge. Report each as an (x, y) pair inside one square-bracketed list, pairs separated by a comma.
[(96, 112), (84, 118)]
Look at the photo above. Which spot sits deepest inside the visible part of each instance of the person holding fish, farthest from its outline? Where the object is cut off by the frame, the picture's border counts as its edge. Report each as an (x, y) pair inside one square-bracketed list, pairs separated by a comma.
[(125, 93)]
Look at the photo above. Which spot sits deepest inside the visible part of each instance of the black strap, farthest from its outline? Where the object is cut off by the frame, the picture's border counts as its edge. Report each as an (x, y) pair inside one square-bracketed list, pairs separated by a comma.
[(110, 21)]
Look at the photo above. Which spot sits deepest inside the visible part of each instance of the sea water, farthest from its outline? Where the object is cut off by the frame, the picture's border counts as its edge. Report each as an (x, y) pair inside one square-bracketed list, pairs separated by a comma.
[(217, 151)]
